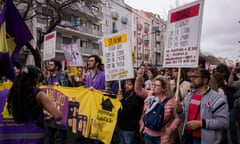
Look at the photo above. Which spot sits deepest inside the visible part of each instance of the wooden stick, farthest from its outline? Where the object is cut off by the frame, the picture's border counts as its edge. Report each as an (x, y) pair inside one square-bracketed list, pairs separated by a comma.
[(119, 85), (178, 81)]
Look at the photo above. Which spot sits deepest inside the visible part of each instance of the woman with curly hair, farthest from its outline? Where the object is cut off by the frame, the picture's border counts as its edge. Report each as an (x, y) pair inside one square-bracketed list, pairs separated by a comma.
[(25, 104)]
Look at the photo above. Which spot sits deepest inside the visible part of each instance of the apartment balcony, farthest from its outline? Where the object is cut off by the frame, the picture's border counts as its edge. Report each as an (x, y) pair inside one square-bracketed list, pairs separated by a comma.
[(158, 39), (89, 51), (139, 40), (146, 29), (139, 27), (69, 27), (87, 11), (146, 42), (89, 30)]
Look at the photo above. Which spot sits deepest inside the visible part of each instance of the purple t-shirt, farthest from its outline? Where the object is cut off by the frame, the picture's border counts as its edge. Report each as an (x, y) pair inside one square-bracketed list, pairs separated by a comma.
[(19, 133), (54, 79), (97, 82)]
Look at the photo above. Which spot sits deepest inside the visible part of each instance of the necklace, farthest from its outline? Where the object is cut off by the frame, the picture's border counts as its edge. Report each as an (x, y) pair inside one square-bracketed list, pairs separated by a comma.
[(94, 76)]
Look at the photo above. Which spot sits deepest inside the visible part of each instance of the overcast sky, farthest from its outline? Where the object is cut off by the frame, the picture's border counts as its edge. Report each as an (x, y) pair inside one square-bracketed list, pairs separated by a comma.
[(220, 29)]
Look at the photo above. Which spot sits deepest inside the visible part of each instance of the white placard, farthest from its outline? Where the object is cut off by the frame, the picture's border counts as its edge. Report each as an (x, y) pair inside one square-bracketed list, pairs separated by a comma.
[(183, 36), (72, 55), (49, 46), (117, 54)]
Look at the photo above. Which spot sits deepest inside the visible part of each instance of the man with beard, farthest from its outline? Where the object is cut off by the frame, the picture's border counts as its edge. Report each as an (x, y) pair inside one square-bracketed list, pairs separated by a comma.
[(57, 76), (205, 112), (55, 133), (96, 77)]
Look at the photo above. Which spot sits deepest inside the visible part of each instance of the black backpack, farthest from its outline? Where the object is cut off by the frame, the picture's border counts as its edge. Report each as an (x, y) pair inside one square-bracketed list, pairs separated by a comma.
[(154, 119)]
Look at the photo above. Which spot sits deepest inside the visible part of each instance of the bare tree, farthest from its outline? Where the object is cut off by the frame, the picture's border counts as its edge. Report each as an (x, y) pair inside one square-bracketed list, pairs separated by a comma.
[(59, 7)]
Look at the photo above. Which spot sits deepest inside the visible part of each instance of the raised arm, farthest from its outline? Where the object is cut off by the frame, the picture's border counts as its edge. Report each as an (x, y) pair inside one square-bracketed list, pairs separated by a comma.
[(138, 85)]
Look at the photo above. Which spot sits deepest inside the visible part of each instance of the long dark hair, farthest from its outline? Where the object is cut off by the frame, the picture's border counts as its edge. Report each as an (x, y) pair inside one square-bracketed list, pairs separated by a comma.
[(21, 102)]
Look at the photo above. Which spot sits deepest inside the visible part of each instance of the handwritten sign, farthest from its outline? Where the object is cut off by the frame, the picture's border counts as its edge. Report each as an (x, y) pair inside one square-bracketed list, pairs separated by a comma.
[(117, 54), (183, 36), (49, 46), (72, 55)]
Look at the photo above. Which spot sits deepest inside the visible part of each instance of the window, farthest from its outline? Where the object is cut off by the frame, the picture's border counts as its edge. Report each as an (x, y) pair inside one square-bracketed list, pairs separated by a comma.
[(135, 33), (158, 58), (83, 23), (95, 27), (114, 27), (146, 25), (83, 44), (66, 40), (44, 14), (95, 46), (67, 17), (107, 23)]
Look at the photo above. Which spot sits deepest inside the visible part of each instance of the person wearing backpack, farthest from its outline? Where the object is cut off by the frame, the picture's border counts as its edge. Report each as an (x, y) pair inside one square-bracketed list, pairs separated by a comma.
[(158, 100)]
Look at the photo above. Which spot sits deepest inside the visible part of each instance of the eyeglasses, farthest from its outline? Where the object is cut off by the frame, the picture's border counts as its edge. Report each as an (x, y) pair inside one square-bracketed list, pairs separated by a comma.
[(156, 85)]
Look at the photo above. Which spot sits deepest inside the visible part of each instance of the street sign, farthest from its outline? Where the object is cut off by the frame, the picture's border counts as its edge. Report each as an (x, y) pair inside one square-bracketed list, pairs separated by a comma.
[(117, 54), (183, 35), (49, 46)]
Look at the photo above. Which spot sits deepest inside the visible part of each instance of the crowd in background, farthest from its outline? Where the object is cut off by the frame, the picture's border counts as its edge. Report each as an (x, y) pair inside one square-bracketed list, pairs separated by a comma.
[(220, 86)]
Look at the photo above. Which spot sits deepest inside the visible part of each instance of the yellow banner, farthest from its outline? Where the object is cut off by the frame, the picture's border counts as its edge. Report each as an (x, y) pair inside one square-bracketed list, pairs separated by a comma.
[(5, 85), (89, 112)]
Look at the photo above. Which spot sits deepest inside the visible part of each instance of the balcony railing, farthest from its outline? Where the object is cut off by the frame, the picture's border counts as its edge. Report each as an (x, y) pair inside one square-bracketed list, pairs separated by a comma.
[(83, 29), (87, 10)]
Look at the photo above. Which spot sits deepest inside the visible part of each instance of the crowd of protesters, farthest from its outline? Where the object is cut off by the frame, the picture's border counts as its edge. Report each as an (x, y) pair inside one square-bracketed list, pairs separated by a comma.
[(204, 112)]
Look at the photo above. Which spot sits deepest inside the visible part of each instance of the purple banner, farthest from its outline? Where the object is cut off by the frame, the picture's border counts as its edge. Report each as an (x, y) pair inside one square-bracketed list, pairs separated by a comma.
[(60, 100)]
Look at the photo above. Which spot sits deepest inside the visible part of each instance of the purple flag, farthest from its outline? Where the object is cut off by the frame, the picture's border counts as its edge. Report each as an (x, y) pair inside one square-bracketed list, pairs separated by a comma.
[(14, 34)]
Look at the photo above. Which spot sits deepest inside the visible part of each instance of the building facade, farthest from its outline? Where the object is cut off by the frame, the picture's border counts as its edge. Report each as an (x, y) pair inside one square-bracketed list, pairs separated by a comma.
[(87, 22)]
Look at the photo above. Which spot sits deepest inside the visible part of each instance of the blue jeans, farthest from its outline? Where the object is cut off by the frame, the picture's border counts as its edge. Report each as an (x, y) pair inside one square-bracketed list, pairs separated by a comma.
[(196, 140), (151, 139), (233, 126), (129, 137)]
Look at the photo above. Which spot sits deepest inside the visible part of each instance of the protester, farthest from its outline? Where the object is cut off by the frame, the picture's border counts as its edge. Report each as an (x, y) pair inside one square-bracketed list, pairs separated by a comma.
[(129, 114), (160, 93), (96, 77), (96, 80), (79, 79), (17, 68), (57, 76), (212, 82), (224, 71), (26, 103), (56, 133), (205, 112), (152, 72)]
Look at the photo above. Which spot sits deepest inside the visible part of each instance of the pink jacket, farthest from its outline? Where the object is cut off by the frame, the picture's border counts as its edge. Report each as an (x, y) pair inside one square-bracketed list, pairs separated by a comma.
[(169, 113)]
